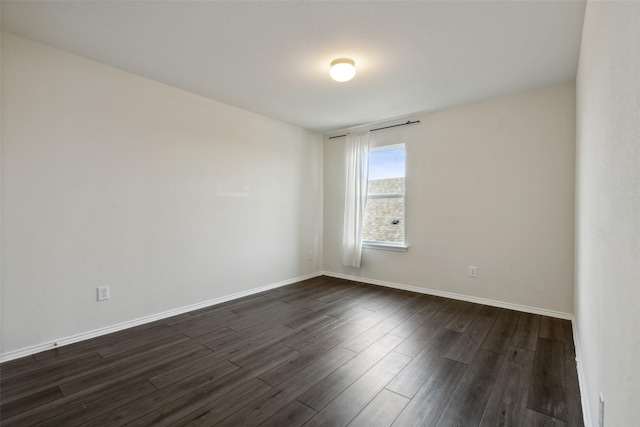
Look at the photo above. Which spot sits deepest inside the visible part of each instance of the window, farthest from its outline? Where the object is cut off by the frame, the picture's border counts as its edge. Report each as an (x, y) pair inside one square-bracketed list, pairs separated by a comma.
[(384, 212)]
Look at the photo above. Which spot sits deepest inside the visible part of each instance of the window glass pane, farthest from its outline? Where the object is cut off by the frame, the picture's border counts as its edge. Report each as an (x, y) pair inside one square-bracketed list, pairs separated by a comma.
[(385, 186), (384, 216), (384, 220), (386, 163)]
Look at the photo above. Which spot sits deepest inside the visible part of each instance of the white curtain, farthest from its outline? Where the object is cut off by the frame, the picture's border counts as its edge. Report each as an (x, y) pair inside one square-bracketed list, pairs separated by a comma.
[(357, 173)]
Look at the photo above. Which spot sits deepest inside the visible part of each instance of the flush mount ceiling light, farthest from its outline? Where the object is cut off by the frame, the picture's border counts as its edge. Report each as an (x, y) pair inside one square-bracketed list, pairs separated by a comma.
[(342, 69)]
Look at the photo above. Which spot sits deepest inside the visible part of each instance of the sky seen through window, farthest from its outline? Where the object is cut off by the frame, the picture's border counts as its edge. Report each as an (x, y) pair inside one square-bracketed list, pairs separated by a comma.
[(387, 163)]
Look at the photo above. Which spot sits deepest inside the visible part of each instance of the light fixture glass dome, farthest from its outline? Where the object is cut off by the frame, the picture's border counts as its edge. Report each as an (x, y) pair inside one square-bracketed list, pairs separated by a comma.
[(342, 69)]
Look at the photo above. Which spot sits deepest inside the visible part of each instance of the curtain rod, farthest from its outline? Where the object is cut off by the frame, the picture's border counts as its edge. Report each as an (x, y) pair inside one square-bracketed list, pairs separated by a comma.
[(409, 122)]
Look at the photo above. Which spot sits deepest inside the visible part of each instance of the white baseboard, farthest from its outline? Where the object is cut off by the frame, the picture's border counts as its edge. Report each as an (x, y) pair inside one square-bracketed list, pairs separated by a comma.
[(582, 382), (478, 300), (27, 351)]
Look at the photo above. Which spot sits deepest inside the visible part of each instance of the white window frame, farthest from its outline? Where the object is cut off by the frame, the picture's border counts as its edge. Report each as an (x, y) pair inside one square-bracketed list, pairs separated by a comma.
[(391, 246)]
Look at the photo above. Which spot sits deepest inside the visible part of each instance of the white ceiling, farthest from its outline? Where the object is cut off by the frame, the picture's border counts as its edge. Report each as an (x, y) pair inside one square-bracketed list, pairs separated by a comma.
[(273, 57)]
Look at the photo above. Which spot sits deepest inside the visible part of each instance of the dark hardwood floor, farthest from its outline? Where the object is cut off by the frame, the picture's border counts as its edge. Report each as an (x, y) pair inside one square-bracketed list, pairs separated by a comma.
[(323, 352)]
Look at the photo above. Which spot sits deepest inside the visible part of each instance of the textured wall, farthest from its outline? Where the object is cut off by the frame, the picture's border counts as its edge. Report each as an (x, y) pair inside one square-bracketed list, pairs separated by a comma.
[(489, 185), (169, 198), (608, 209)]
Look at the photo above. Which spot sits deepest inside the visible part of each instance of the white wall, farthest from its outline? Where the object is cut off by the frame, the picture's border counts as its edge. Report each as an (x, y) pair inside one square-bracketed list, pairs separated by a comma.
[(608, 209), (169, 198), (489, 184)]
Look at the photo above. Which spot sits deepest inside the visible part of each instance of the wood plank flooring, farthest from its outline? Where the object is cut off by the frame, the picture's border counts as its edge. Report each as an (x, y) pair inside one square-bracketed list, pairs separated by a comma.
[(322, 352)]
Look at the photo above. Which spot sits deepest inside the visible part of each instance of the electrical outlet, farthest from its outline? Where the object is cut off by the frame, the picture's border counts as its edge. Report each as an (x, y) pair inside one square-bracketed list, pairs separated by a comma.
[(103, 293), (601, 412), (309, 256), (473, 272)]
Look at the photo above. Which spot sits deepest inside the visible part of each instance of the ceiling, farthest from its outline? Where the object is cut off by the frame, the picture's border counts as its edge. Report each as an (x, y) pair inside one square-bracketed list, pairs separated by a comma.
[(272, 57)]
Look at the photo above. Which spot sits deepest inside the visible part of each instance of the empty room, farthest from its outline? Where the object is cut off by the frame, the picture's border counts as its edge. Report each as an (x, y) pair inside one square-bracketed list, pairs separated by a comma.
[(320, 213)]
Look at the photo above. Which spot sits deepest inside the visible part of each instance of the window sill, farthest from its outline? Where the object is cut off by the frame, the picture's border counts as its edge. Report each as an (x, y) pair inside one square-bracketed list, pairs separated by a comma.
[(386, 246)]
